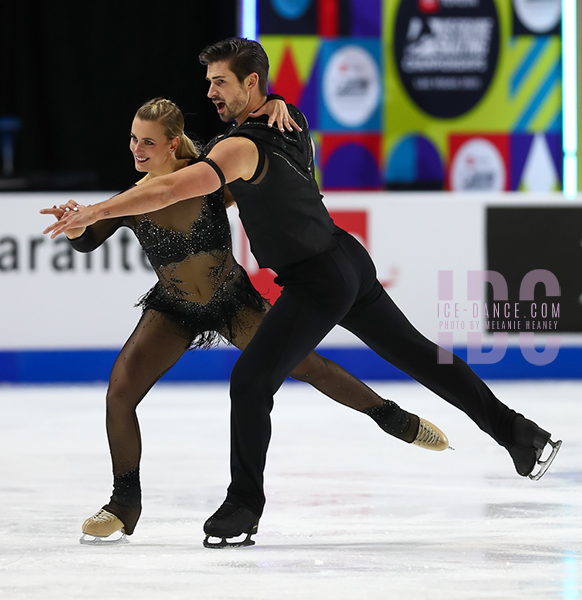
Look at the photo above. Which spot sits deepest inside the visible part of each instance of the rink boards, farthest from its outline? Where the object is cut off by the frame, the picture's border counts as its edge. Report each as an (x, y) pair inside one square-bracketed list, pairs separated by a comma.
[(64, 315)]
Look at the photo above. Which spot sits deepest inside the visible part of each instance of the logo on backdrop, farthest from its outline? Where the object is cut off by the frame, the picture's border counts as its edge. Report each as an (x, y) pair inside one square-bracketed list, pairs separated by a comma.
[(351, 86), (526, 317), (446, 52), (541, 17), (478, 167)]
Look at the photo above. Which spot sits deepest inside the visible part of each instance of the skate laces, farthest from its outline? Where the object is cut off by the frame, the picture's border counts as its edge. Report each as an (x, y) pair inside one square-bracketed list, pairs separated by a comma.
[(426, 435), (103, 516)]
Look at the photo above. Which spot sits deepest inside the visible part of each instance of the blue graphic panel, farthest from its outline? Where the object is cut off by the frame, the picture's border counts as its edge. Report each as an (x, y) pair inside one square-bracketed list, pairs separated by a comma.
[(350, 85), (351, 167), (366, 18), (284, 17), (414, 159)]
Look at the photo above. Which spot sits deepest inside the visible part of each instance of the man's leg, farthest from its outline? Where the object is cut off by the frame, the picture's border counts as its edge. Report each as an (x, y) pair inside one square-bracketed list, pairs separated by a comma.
[(377, 321), (338, 384), (386, 330), (316, 295)]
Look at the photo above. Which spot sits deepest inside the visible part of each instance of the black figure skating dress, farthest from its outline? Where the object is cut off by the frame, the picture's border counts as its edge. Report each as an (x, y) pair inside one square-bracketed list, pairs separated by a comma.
[(200, 285)]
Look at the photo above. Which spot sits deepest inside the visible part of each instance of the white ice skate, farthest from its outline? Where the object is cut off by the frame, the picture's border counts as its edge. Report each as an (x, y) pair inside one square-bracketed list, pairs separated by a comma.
[(430, 437), (103, 528)]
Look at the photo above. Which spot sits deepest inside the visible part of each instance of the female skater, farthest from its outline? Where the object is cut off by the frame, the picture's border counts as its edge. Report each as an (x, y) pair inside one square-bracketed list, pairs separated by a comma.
[(201, 294)]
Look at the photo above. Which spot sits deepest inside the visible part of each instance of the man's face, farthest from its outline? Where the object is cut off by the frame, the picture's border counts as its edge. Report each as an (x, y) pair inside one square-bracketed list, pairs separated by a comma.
[(229, 95)]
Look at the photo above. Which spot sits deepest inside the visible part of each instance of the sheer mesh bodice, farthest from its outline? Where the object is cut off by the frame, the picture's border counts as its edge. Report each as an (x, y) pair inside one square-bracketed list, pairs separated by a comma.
[(189, 246)]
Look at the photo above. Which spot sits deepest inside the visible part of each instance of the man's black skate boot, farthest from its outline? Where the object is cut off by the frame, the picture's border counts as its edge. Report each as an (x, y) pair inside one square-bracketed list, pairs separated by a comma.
[(230, 521), (529, 443)]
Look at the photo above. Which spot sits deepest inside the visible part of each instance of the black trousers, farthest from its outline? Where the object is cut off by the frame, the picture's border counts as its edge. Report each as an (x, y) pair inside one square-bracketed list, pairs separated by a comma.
[(337, 287)]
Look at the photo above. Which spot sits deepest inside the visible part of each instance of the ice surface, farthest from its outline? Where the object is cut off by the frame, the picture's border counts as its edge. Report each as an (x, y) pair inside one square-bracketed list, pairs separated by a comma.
[(351, 513)]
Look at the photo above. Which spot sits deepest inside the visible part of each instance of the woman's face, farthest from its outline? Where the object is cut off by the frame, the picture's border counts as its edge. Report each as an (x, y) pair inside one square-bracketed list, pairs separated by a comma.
[(151, 149)]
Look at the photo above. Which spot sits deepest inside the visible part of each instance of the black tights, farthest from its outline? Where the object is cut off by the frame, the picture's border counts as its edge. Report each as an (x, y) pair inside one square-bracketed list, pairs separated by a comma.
[(337, 287)]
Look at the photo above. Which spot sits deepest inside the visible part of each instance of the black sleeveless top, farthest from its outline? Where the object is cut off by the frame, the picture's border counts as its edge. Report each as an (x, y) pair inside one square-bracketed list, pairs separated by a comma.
[(281, 207)]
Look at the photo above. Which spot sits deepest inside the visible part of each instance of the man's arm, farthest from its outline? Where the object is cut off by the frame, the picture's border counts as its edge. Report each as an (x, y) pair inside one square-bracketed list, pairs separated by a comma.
[(236, 157)]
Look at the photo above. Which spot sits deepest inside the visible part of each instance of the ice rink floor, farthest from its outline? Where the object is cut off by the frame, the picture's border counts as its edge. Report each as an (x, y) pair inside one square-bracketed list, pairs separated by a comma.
[(351, 513)]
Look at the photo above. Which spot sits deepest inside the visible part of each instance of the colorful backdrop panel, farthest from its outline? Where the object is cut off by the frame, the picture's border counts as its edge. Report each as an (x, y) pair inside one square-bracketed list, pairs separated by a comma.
[(473, 96)]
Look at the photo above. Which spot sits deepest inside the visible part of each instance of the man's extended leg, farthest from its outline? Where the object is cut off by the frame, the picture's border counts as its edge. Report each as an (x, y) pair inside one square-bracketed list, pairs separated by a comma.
[(377, 321)]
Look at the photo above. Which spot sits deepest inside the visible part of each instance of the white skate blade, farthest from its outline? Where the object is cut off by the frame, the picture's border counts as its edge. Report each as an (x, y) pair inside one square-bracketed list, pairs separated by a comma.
[(243, 540), (544, 465), (115, 539)]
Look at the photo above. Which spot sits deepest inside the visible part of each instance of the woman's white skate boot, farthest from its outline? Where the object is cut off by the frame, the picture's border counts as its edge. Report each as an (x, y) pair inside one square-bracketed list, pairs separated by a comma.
[(430, 437), (408, 427), (103, 528)]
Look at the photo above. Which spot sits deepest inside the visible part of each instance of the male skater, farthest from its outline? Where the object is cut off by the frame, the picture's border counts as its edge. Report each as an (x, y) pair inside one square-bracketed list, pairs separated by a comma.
[(328, 278)]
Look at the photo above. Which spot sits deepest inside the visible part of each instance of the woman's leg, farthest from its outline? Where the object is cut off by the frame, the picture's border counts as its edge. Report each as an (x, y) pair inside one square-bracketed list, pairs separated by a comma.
[(152, 349)]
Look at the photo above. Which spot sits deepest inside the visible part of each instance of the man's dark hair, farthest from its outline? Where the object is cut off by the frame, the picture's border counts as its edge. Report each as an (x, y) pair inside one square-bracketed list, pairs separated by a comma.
[(244, 57)]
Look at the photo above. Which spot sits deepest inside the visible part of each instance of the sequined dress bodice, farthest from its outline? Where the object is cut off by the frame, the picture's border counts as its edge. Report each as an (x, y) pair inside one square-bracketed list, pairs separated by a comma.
[(188, 244), (208, 232)]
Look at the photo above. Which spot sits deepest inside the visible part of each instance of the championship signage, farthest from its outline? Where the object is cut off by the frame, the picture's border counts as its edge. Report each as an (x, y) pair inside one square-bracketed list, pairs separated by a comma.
[(446, 53), (473, 95)]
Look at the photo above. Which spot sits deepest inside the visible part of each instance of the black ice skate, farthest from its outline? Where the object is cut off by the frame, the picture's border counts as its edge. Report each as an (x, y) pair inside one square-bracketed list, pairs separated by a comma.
[(530, 442), (230, 521)]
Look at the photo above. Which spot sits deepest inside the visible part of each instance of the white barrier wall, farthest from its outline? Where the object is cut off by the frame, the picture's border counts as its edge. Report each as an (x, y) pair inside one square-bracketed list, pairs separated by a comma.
[(55, 298)]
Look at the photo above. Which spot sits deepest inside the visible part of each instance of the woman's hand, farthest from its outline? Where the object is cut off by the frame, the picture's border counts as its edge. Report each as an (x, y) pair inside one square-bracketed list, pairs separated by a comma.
[(65, 219), (277, 112)]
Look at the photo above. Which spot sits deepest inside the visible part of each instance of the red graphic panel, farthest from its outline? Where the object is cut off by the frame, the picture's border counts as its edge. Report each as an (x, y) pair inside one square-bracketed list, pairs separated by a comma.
[(288, 83), (354, 222), (478, 162), (328, 12)]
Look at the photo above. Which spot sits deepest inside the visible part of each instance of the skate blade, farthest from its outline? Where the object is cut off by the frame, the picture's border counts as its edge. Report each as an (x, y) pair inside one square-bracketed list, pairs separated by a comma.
[(224, 543), (112, 540), (545, 464)]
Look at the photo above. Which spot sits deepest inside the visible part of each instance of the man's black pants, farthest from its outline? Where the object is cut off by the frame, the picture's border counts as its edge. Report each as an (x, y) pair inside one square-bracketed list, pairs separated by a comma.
[(337, 287)]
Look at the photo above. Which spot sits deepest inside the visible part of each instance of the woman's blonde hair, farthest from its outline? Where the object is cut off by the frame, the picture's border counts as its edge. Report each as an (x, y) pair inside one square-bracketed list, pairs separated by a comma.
[(172, 119)]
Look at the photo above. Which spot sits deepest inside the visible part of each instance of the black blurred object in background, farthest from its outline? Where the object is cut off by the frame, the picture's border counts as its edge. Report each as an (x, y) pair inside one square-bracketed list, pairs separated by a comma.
[(74, 73)]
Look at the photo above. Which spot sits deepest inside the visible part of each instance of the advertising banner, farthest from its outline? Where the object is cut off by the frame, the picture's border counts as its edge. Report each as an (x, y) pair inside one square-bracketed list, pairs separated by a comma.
[(473, 95)]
